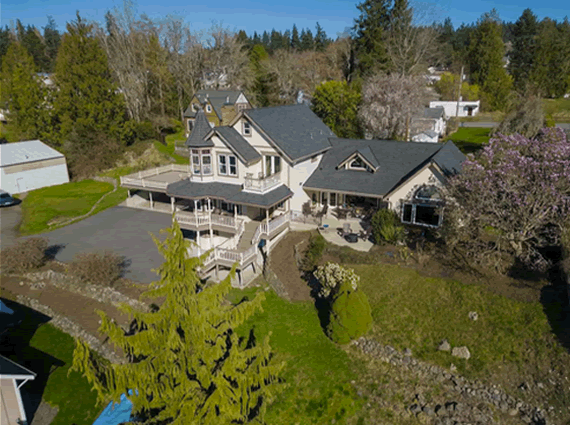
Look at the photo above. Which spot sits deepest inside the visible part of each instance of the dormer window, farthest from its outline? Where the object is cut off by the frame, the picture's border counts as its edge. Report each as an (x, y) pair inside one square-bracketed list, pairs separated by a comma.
[(208, 108), (357, 164), (194, 108), (246, 130)]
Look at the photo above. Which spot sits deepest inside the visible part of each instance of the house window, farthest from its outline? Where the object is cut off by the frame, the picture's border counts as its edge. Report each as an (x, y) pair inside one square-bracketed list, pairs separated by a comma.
[(227, 165), (280, 206), (233, 165), (428, 193), (357, 163), (208, 108), (407, 213), (246, 130), (189, 126), (222, 165), (195, 161), (272, 165), (194, 108), (421, 215), (333, 199), (314, 198), (241, 107), (323, 198), (206, 162)]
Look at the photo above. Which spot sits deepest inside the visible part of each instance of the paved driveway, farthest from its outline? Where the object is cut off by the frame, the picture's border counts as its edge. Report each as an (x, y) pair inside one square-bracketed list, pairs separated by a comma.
[(9, 219), (121, 229)]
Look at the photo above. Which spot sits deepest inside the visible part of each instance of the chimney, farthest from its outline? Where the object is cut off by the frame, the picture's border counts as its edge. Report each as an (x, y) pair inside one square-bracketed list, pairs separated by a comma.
[(227, 99)]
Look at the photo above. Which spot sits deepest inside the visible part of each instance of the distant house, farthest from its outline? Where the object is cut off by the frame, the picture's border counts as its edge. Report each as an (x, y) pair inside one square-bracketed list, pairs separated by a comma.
[(429, 126), (220, 107), (467, 108), (30, 165), (12, 377)]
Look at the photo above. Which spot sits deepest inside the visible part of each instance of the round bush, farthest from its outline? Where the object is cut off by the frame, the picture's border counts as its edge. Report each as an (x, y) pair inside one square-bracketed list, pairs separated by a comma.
[(350, 315)]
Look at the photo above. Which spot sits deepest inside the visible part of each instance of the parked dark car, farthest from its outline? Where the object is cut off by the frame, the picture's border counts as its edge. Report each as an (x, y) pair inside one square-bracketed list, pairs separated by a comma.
[(5, 199)]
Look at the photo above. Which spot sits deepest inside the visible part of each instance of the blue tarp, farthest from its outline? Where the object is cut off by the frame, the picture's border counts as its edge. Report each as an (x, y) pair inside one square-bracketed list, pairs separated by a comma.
[(5, 309), (116, 414)]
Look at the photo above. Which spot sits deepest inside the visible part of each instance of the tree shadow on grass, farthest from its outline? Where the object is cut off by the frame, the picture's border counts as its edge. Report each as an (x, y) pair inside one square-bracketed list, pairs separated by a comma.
[(556, 305), (16, 332)]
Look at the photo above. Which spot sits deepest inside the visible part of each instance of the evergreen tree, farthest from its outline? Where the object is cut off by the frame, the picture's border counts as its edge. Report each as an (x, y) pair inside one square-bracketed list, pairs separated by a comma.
[(336, 103), (186, 364), (524, 48), (242, 38), (5, 40), (256, 39), (276, 41), (369, 35), (295, 40), (486, 54), (287, 40), (265, 40), (445, 38), (307, 41), (321, 40), (86, 95), (32, 41), (52, 38), (24, 95)]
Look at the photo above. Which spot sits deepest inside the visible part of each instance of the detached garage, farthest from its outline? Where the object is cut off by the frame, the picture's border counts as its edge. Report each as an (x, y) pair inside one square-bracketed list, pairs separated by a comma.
[(26, 166)]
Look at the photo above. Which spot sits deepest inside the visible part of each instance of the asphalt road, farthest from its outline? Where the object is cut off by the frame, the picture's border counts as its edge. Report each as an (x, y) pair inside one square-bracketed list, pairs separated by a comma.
[(123, 230), (9, 220)]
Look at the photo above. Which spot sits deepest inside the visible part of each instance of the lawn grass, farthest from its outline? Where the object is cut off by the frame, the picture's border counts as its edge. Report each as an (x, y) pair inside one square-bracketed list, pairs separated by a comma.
[(71, 394), (413, 311), (470, 139), (317, 373), (558, 109), (64, 201), (169, 149)]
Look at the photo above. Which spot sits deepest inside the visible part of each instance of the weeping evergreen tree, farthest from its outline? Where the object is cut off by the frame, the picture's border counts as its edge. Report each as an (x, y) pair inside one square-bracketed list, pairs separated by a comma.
[(185, 362)]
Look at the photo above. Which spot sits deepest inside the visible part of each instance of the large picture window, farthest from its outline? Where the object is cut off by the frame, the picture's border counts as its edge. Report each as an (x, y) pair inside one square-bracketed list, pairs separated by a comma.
[(421, 215), (227, 165)]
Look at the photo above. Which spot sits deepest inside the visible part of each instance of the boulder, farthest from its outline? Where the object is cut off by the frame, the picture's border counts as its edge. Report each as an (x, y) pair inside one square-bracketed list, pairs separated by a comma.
[(444, 346), (473, 315), (461, 352)]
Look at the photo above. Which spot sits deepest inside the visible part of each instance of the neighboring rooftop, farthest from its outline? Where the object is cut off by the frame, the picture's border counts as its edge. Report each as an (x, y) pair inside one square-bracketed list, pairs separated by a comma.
[(11, 369), (435, 113), (295, 129), (201, 128), (218, 98), (238, 144), (29, 151), (397, 161)]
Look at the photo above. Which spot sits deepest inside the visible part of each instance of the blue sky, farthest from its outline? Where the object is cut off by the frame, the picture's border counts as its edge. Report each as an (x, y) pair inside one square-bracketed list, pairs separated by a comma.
[(251, 15)]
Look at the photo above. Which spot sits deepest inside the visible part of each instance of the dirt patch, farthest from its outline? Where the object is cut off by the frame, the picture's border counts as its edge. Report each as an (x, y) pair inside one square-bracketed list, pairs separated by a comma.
[(284, 265), (78, 308)]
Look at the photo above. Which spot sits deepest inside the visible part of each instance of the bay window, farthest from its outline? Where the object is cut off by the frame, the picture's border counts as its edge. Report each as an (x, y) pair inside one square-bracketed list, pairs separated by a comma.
[(201, 160)]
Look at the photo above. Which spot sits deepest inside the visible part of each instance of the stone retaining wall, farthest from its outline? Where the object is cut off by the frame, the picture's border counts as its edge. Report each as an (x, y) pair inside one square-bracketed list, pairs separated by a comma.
[(484, 400), (69, 327)]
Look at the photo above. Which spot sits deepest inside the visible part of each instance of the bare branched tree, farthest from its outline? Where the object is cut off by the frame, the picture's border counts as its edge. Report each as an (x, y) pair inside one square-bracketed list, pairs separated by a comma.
[(283, 68), (226, 62), (388, 104)]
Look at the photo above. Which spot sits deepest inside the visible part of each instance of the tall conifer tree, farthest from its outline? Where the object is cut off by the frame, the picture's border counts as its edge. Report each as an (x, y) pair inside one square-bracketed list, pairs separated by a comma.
[(185, 360), (522, 55), (86, 94)]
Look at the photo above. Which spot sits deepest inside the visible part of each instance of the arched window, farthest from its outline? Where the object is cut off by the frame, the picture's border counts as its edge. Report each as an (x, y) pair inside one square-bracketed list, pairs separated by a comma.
[(430, 193)]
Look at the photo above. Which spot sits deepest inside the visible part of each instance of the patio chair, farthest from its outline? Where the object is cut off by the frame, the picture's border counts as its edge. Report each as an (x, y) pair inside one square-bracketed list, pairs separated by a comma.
[(365, 234), (346, 230)]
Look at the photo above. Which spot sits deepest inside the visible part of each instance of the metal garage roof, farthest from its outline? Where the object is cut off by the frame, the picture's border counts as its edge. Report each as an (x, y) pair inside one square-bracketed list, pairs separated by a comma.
[(29, 151)]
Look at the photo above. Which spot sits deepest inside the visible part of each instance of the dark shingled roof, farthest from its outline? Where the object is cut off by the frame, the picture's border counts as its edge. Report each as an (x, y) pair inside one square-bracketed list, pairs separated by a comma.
[(295, 129), (218, 98), (229, 192), (437, 112), (235, 141), (8, 367), (397, 161), (197, 138)]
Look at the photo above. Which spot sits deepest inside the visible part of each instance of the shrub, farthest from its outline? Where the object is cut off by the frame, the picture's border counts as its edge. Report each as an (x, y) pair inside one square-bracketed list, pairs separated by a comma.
[(97, 268), (331, 275), (386, 227), (314, 252), (27, 254), (350, 315)]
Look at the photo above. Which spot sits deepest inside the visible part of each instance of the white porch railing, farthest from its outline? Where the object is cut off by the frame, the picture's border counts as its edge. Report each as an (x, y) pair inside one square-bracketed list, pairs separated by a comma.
[(227, 251), (140, 178), (261, 185), (192, 219)]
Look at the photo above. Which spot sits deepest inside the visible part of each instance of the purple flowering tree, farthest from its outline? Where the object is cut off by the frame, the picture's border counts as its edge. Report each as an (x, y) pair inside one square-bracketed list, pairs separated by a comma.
[(510, 201)]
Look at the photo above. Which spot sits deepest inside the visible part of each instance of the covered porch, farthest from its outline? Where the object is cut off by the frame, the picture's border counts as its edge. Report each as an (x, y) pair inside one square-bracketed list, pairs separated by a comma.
[(344, 205)]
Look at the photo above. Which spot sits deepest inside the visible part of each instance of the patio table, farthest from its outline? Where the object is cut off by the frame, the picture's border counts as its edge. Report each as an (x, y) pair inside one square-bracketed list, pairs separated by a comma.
[(351, 238)]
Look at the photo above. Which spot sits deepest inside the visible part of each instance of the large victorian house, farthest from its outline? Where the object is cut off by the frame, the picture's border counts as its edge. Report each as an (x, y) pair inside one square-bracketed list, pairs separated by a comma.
[(248, 181)]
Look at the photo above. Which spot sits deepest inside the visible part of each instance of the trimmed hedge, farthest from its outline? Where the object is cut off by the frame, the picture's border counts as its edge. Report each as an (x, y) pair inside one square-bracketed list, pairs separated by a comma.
[(350, 315)]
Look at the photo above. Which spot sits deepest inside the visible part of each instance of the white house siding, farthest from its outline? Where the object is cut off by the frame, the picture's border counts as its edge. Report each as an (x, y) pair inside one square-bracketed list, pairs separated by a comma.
[(299, 174), (450, 107), (34, 175), (429, 175)]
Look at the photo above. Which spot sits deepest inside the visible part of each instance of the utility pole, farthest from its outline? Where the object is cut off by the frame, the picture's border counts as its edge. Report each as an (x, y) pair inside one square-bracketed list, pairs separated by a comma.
[(459, 91)]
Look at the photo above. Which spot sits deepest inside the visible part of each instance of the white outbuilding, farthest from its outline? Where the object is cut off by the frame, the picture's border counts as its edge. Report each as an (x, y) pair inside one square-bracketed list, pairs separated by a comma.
[(26, 166)]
